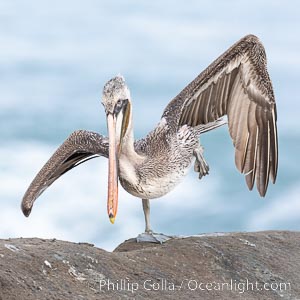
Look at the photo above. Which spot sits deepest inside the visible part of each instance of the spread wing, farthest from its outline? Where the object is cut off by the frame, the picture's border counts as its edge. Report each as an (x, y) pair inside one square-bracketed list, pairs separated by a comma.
[(79, 147), (238, 85)]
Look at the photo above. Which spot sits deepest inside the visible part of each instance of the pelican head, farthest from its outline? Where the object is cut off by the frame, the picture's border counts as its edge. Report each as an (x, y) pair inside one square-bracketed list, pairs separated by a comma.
[(116, 102)]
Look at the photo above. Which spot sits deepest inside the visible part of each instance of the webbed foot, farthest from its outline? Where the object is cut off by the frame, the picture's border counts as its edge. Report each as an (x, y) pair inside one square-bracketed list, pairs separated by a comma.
[(201, 165), (151, 237)]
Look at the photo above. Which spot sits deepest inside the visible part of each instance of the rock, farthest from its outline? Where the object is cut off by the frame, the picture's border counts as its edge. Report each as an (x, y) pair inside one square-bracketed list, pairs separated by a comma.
[(260, 265)]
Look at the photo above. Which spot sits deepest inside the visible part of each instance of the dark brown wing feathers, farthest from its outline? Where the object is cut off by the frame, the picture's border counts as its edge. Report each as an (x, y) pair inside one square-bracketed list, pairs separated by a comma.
[(79, 147), (236, 84)]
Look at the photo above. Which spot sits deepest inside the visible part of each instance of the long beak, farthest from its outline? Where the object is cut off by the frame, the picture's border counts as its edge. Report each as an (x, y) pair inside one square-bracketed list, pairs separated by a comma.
[(112, 200)]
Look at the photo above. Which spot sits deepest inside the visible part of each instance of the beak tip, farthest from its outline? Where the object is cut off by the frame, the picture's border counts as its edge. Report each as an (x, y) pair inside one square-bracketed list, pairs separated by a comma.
[(111, 218)]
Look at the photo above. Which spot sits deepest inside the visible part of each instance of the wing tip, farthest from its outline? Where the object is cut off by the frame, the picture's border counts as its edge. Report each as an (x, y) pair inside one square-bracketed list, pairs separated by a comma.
[(250, 179), (262, 192), (26, 208)]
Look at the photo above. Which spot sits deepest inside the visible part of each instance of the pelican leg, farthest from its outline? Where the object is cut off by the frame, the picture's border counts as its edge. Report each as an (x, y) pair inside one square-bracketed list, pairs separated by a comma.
[(201, 165), (146, 209), (149, 236)]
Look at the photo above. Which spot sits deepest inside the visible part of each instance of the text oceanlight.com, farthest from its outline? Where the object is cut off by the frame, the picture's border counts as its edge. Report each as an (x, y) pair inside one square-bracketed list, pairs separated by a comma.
[(192, 285)]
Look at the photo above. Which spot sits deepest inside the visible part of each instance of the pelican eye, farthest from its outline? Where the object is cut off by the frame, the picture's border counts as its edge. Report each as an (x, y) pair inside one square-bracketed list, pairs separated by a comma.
[(119, 105)]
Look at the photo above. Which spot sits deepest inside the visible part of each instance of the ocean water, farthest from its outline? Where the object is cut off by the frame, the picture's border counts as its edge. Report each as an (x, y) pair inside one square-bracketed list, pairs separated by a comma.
[(54, 60)]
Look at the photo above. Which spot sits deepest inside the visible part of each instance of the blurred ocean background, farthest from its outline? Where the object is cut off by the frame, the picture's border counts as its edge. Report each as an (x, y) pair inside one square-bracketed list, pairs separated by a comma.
[(55, 57)]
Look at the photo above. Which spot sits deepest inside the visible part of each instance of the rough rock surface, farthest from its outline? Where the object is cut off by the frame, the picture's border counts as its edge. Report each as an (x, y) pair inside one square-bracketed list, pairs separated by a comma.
[(261, 265)]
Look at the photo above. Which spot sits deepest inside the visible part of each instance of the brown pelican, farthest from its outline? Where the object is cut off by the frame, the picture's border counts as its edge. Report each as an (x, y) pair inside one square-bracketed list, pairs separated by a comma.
[(236, 84)]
